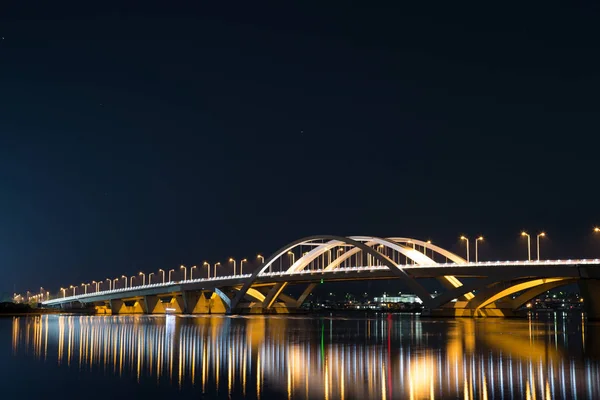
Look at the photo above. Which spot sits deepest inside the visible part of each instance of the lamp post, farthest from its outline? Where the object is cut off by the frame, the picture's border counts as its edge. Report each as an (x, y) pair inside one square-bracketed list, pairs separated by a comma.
[(337, 255), (207, 269), (97, 285), (242, 266), (163, 274), (528, 245), (131, 281), (171, 271), (262, 261), (215, 268), (74, 289), (184, 272), (150, 278), (143, 278), (192, 272), (293, 257), (109, 284), (114, 282), (541, 234), (479, 239), (64, 292), (231, 260), (85, 285), (466, 239), (124, 277)]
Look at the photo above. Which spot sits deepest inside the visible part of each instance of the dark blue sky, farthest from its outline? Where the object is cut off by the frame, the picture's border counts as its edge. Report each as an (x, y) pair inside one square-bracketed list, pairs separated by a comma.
[(146, 137)]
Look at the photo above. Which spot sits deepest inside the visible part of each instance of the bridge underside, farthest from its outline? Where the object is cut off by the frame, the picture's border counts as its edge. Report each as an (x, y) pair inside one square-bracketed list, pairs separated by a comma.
[(492, 298)]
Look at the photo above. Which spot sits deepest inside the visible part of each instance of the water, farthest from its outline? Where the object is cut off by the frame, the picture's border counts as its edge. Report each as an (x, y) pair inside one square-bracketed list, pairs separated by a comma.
[(272, 357)]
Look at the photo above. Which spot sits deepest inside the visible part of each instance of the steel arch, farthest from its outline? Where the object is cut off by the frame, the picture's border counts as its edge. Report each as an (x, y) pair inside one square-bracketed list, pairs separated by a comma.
[(333, 241)]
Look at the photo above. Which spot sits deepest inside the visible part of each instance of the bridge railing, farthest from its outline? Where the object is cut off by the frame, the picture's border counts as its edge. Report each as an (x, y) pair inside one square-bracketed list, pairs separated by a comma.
[(63, 299), (267, 274)]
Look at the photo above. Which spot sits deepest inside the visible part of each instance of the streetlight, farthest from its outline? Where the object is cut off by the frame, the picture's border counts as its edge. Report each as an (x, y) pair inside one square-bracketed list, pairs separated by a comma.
[(97, 286), (192, 272), (170, 271), (74, 289), (215, 268), (163, 274), (131, 281), (124, 277), (63, 290), (291, 254), (207, 269), (541, 234), (109, 284), (480, 238), (528, 244), (466, 239), (596, 229), (143, 278), (262, 261), (242, 266), (150, 278), (114, 282), (231, 260), (184, 272), (85, 285)]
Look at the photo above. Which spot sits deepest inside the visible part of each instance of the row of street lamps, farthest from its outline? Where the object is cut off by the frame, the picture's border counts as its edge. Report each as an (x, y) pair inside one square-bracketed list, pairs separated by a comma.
[(525, 234), (113, 282)]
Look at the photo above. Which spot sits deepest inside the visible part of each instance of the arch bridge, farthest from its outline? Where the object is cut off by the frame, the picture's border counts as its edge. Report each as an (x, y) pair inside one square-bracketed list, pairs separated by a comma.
[(471, 289)]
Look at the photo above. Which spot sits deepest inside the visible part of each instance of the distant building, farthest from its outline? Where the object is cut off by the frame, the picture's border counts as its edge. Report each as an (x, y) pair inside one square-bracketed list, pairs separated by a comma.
[(402, 298)]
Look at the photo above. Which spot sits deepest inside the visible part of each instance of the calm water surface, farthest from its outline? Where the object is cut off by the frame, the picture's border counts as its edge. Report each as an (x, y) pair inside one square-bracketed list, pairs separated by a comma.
[(270, 357)]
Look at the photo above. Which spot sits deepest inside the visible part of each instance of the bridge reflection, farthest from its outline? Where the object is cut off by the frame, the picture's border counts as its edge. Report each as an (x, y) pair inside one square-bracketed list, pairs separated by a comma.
[(330, 358)]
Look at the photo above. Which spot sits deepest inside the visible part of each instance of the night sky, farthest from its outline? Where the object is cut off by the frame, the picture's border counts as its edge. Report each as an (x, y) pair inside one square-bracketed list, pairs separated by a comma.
[(147, 137)]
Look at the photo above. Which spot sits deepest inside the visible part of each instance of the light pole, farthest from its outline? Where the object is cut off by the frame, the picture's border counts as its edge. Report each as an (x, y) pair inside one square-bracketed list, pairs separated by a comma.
[(85, 285), (192, 272), (74, 289), (262, 261), (293, 256), (163, 274), (231, 260), (131, 281), (150, 278), (114, 282), (528, 245), (97, 285), (215, 268), (425, 249), (541, 234), (124, 277), (480, 238), (64, 292), (143, 278), (466, 239), (337, 255), (109, 284), (242, 266), (207, 269), (170, 271), (184, 272)]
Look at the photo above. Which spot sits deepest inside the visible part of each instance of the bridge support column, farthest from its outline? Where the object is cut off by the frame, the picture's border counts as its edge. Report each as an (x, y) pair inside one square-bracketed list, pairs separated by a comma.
[(153, 305), (590, 291), (116, 306)]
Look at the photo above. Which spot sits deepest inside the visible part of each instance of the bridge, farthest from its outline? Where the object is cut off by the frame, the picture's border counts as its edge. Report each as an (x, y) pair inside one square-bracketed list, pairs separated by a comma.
[(472, 289)]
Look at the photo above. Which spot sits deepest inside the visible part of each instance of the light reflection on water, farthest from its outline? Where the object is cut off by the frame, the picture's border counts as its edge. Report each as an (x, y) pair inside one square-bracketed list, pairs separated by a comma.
[(382, 357)]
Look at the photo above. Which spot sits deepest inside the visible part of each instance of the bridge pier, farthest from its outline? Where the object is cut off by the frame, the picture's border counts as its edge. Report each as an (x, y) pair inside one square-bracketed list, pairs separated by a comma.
[(590, 291)]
